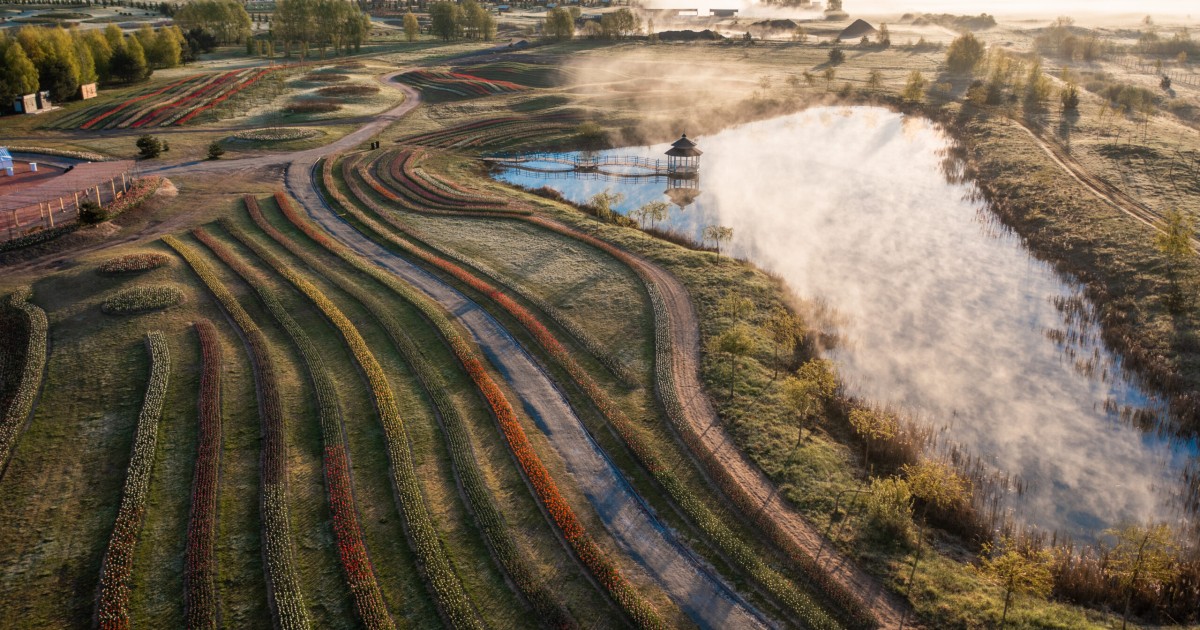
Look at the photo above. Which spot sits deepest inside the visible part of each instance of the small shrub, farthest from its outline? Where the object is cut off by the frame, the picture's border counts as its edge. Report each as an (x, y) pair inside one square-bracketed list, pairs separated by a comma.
[(90, 213), (313, 106), (133, 263), (142, 299), (348, 90), (215, 151), (149, 147), (837, 56)]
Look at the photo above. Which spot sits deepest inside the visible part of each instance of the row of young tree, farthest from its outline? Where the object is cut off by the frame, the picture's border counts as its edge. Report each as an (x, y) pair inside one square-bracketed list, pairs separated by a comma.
[(619, 24), (59, 61), (305, 24), (225, 20), (458, 20)]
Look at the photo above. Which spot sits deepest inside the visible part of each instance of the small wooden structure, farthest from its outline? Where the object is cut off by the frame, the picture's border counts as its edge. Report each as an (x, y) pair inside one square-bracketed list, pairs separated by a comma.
[(683, 158), (87, 90), (33, 103)]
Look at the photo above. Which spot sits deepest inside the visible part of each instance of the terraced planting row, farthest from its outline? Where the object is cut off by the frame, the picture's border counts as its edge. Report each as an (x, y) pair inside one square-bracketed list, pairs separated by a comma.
[(496, 132), (440, 574), (797, 600), (176, 103), (360, 575), (443, 86), (526, 74), (374, 176), (287, 602), (492, 523), (599, 564), (112, 607), (32, 366), (200, 563)]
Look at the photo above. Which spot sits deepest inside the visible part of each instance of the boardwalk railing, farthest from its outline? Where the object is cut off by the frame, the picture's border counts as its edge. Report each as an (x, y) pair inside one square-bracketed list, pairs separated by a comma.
[(60, 207), (641, 167)]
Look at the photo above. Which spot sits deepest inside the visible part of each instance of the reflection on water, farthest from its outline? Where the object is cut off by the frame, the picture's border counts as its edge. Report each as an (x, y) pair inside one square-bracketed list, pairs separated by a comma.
[(943, 312)]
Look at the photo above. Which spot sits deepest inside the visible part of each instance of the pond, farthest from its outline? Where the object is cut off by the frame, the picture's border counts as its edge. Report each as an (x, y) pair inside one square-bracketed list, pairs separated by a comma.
[(942, 311)]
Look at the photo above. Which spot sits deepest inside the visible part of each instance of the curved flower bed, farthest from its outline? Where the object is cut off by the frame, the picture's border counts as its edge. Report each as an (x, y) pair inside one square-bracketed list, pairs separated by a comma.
[(142, 299), (496, 131), (352, 550), (283, 585), (493, 524), (173, 104), (441, 86), (133, 263), (200, 563), (594, 347), (425, 191), (112, 609), (433, 561), (527, 74), (598, 563), (276, 134), (798, 601), (37, 326)]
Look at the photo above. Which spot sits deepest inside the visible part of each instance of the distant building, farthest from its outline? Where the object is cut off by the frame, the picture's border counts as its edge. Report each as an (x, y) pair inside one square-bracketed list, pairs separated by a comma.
[(724, 13), (6, 163)]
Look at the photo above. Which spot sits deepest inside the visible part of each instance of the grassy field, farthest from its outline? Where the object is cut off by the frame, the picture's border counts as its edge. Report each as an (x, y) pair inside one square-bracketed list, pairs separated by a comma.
[(62, 499)]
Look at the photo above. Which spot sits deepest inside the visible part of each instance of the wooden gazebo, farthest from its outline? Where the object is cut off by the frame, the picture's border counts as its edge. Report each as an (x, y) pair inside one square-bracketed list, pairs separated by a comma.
[(683, 158)]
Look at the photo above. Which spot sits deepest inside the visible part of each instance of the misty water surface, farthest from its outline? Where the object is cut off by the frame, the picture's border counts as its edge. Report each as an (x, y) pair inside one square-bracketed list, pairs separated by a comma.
[(943, 311)]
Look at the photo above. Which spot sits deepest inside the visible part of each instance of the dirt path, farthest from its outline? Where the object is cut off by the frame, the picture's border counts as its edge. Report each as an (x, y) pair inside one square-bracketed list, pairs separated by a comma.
[(1103, 190)]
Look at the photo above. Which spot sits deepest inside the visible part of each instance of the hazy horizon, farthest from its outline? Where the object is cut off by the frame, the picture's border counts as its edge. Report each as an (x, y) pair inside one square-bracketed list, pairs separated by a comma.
[(958, 7)]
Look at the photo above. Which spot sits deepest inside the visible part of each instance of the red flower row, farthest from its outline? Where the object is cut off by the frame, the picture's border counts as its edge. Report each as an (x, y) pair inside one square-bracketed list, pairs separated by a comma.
[(200, 565), (123, 105), (352, 550), (284, 586)]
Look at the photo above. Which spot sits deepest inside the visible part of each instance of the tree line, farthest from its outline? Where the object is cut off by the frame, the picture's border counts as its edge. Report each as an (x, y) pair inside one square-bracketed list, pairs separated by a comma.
[(56, 60), (304, 24), (466, 19)]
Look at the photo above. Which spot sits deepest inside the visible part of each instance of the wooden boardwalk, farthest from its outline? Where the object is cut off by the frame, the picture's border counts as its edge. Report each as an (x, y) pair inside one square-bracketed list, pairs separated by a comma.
[(618, 165)]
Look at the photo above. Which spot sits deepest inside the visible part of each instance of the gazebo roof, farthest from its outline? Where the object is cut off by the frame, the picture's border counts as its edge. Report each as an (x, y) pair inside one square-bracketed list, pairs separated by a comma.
[(684, 148)]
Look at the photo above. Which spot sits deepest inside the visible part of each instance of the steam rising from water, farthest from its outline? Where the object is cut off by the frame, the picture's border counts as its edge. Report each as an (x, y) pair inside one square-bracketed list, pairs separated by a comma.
[(945, 313), (957, 7)]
